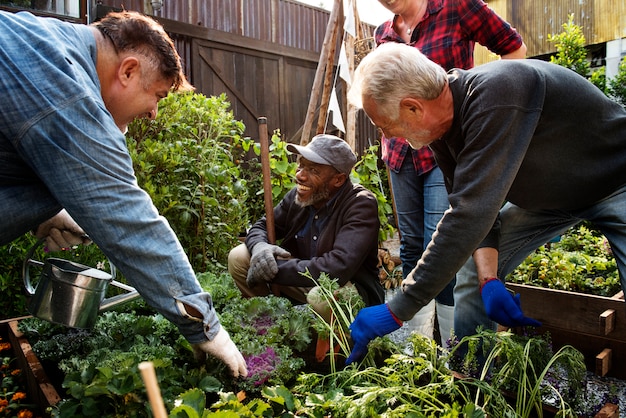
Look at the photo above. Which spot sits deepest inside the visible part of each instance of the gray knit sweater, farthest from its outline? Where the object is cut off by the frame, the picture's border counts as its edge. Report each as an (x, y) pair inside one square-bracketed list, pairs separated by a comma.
[(525, 131)]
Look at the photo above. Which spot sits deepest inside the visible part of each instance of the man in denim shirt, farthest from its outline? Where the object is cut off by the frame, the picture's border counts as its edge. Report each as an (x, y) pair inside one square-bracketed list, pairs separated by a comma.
[(68, 93)]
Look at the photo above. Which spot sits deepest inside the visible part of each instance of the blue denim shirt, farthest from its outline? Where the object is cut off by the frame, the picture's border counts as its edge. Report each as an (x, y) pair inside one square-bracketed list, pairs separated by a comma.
[(60, 148)]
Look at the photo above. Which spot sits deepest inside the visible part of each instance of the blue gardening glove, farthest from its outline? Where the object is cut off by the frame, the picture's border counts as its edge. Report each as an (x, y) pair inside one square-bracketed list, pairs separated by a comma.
[(502, 307), (371, 322), (263, 266)]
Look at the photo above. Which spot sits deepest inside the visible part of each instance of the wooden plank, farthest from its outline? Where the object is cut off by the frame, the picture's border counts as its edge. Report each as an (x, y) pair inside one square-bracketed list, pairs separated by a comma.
[(608, 411), (603, 362), (590, 346), (607, 321), (39, 386), (575, 312)]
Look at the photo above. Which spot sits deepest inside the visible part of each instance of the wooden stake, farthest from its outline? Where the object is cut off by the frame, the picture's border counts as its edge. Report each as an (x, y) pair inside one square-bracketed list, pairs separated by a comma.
[(152, 388), (328, 78), (308, 123)]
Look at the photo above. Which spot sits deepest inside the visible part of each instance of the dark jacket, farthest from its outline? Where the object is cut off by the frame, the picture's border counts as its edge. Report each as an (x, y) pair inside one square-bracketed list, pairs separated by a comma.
[(346, 246)]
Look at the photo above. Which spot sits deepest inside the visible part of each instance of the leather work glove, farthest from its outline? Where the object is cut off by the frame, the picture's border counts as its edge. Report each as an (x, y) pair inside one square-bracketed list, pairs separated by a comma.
[(223, 348), (370, 322), (502, 307), (61, 232), (263, 266)]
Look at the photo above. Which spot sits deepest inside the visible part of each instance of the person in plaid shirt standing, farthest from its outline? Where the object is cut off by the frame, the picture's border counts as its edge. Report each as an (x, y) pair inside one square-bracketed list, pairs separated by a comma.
[(446, 32)]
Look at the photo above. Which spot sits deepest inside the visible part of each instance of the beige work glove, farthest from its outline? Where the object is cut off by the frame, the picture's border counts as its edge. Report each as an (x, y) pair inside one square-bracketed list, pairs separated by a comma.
[(61, 232), (223, 348)]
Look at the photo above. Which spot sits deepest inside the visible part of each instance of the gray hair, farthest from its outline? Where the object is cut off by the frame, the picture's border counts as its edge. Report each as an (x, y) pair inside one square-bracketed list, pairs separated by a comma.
[(394, 71)]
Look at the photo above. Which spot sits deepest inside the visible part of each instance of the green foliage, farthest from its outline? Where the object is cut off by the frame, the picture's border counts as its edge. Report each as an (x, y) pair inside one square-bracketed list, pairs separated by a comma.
[(570, 47), (367, 173), (283, 175), (100, 366), (343, 303), (598, 79), (413, 382), (581, 261), (12, 256), (572, 54), (14, 400), (187, 160), (527, 367), (616, 87), (269, 331)]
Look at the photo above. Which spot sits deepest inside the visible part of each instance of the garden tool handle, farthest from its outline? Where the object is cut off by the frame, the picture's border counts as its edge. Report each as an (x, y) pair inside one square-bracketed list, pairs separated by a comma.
[(267, 187), (267, 180)]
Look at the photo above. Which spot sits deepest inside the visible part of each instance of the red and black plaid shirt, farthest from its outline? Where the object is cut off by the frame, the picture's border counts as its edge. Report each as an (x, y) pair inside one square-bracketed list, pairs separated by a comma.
[(446, 35)]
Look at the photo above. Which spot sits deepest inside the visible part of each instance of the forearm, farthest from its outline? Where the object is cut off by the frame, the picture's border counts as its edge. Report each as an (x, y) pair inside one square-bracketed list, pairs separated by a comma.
[(519, 53), (486, 260)]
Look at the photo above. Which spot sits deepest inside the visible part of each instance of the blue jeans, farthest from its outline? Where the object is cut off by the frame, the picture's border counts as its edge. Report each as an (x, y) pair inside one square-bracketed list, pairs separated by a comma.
[(420, 203), (522, 232)]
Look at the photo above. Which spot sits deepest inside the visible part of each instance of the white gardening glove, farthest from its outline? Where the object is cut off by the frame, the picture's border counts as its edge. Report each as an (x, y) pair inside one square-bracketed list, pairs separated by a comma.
[(223, 348), (61, 232)]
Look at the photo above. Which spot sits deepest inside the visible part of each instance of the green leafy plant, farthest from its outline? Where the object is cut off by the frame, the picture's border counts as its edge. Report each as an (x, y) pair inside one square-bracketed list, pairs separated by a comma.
[(522, 366), (12, 256), (616, 87), (367, 173), (580, 261), (415, 382), (100, 366), (187, 160), (572, 53), (282, 169), (570, 47), (343, 306)]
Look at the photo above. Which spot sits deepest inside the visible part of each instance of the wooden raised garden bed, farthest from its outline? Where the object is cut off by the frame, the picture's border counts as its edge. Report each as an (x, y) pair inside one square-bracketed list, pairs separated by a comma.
[(40, 389), (594, 325)]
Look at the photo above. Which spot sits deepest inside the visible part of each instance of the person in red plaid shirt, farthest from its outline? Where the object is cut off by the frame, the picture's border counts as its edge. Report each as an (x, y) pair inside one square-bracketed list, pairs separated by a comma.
[(446, 32)]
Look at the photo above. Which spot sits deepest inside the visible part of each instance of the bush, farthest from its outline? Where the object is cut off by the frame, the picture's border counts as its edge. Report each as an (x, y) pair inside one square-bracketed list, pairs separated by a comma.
[(187, 160)]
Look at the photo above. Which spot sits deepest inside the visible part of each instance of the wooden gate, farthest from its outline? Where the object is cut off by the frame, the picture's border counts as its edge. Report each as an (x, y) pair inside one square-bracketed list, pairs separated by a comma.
[(257, 83)]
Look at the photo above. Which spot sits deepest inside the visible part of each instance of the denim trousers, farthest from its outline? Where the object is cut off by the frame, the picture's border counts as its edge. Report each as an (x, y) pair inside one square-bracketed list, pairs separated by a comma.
[(522, 232), (420, 202)]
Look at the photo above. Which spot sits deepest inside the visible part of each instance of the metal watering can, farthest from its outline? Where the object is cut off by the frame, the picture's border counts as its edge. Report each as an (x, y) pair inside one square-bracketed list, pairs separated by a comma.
[(70, 293)]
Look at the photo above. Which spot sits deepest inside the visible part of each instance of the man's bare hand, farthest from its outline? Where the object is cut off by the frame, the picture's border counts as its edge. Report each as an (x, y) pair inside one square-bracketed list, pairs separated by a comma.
[(61, 232)]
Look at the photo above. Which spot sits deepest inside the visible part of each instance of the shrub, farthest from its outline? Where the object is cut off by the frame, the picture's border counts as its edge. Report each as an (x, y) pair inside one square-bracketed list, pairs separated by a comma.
[(187, 160)]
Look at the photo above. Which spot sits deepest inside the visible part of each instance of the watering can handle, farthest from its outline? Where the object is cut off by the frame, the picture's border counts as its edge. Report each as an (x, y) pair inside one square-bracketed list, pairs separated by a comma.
[(26, 267)]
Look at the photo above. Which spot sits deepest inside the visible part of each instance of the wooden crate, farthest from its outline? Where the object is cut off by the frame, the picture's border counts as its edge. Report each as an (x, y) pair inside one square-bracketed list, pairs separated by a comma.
[(40, 389), (595, 325)]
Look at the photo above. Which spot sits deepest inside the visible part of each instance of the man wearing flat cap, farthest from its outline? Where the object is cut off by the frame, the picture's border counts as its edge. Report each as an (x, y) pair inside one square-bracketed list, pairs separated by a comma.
[(326, 224)]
